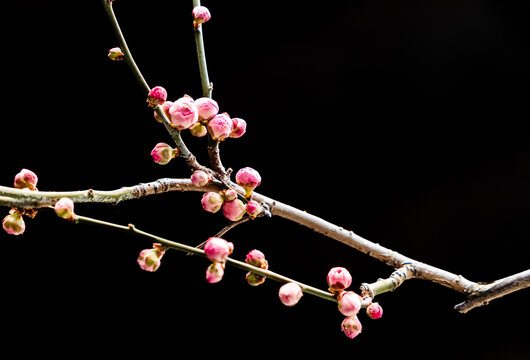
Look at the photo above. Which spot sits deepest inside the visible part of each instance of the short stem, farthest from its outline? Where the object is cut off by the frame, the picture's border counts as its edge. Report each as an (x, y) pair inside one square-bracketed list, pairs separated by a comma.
[(201, 55), (391, 283)]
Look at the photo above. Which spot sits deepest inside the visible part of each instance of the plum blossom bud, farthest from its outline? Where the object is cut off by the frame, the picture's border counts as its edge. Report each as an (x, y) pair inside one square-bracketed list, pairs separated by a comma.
[(198, 130), (162, 153), (215, 272), (349, 303), (115, 54), (200, 178), (234, 210), (290, 294), (220, 127), (201, 14), (212, 201), (217, 249), (229, 194), (351, 326), (239, 127), (156, 96), (184, 113), (64, 208), (254, 279), (26, 179), (338, 279), (248, 179), (149, 259), (165, 109), (253, 208), (13, 223), (374, 311), (207, 107), (256, 258)]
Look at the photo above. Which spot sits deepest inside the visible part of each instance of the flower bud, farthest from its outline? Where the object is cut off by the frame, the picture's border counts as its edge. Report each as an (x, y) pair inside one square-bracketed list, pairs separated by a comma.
[(115, 54), (64, 208), (253, 208), (162, 153), (13, 223), (229, 194), (198, 130), (212, 202), (248, 179), (234, 210), (256, 258), (351, 326), (338, 279), (220, 127), (217, 249), (26, 179), (184, 113), (215, 272), (200, 178), (374, 311), (207, 107), (200, 14), (290, 294), (349, 303), (149, 259), (156, 96), (165, 109), (239, 127), (254, 279)]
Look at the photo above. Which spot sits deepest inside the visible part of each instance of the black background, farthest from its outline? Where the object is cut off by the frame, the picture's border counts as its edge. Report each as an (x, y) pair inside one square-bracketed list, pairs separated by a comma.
[(402, 121)]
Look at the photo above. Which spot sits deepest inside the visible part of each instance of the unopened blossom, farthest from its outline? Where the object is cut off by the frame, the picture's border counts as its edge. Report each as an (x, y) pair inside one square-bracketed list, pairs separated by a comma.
[(115, 54), (149, 259), (220, 127), (212, 201), (248, 179), (200, 178), (215, 272), (165, 109), (162, 153), (234, 210), (256, 258), (217, 249), (254, 279), (64, 208), (156, 96), (338, 279), (253, 208), (349, 303), (200, 14), (351, 326), (13, 224), (198, 130), (374, 311), (290, 294), (229, 194), (239, 127), (184, 113), (26, 179), (207, 107)]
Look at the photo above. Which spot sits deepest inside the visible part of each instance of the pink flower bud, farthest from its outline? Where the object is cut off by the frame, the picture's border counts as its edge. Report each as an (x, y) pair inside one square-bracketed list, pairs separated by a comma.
[(115, 54), (149, 259), (351, 326), (220, 127), (165, 108), (253, 208), (229, 194), (248, 179), (26, 179), (338, 279), (184, 113), (215, 272), (200, 178), (200, 14), (162, 153), (349, 303), (217, 249), (207, 107), (64, 208), (290, 294), (13, 223), (239, 127), (257, 258), (156, 96), (374, 311), (234, 210), (254, 279), (198, 130), (212, 202)]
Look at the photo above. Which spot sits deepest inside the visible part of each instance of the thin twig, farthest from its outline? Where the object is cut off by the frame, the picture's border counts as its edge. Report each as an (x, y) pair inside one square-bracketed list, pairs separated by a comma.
[(223, 231)]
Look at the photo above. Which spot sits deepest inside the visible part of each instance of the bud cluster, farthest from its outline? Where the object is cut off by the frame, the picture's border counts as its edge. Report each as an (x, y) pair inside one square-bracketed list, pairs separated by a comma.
[(13, 223), (217, 251), (256, 258)]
